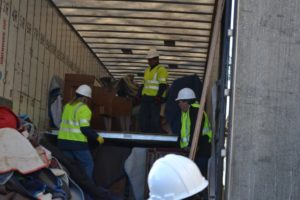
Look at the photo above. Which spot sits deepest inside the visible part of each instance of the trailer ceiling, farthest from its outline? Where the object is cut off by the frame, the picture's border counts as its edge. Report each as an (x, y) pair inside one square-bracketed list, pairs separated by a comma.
[(121, 32)]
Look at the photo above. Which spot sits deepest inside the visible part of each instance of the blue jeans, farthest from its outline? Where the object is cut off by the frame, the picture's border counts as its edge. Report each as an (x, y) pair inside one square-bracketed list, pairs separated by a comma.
[(85, 158)]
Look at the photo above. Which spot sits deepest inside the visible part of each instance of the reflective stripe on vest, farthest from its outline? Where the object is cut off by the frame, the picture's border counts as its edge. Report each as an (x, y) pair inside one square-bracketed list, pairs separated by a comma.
[(70, 125), (151, 81), (186, 125), (185, 129)]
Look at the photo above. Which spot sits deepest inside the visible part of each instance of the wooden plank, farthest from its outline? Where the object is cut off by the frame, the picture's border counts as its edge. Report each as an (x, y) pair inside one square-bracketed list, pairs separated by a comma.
[(40, 62), (4, 24), (34, 59), (28, 51), (17, 83), (214, 39), (11, 48)]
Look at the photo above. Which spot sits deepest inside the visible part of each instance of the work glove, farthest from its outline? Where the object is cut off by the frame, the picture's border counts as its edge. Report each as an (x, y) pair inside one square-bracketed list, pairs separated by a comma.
[(100, 139), (157, 100)]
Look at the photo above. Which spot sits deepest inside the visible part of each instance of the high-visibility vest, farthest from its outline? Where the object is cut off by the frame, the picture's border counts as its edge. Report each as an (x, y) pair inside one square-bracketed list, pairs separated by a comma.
[(186, 127), (74, 116), (152, 79)]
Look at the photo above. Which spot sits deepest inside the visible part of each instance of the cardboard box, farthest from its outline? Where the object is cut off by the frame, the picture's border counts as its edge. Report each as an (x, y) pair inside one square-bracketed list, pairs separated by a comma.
[(72, 81)]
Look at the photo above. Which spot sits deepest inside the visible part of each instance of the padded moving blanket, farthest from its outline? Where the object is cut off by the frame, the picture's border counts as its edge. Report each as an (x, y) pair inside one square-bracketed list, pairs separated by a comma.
[(17, 153)]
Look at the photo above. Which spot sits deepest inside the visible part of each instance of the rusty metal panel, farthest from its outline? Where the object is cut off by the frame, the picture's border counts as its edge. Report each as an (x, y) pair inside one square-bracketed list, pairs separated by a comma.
[(67, 49), (43, 110), (53, 67), (75, 52), (63, 48), (91, 68), (40, 61), (72, 52), (27, 56), (89, 63), (81, 50), (11, 48), (83, 54), (52, 47), (80, 55), (18, 65), (34, 58), (59, 45), (4, 24)]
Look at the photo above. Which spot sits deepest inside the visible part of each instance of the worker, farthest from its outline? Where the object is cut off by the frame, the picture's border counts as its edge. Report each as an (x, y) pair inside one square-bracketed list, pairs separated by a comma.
[(189, 107), (152, 93), (75, 130), (175, 177)]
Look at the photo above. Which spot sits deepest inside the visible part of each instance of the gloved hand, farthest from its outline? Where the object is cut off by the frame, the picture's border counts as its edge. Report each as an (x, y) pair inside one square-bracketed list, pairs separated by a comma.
[(157, 100), (100, 139)]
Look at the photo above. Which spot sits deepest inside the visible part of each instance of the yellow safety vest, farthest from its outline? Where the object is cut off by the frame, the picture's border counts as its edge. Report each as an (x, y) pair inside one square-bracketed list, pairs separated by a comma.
[(152, 79), (186, 126), (74, 116)]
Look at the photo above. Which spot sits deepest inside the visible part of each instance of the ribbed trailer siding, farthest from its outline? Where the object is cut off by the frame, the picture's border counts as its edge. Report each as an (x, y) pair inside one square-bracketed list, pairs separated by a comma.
[(36, 44)]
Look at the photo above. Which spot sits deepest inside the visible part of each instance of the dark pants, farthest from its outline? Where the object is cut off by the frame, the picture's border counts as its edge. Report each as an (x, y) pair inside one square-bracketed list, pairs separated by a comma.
[(149, 116), (202, 163), (85, 159)]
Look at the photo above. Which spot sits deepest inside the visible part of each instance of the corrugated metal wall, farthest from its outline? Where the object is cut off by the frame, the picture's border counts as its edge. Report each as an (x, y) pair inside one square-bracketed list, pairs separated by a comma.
[(37, 43)]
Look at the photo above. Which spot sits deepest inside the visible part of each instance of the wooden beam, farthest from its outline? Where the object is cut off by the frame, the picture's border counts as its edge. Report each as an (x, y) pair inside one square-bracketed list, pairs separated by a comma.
[(215, 35)]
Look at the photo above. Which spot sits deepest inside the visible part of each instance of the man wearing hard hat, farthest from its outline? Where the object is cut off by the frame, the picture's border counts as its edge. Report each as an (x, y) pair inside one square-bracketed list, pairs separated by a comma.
[(75, 130), (175, 177), (152, 93), (189, 107)]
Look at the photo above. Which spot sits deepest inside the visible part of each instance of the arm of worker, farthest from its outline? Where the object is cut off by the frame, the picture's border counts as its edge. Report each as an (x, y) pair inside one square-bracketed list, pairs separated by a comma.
[(162, 78), (161, 89), (85, 115), (139, 93), (91, 134), (158, 98)]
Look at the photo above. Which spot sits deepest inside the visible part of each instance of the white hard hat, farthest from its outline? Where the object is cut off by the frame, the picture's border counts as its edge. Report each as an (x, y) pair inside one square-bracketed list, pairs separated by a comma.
[(185, 94), (152, 53), (84, 90), (175, 177)]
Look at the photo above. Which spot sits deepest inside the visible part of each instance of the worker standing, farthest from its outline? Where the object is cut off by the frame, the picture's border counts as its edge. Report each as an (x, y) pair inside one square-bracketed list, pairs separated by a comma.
[(175, 177), (75, 130), (189, 107), (152, 93)]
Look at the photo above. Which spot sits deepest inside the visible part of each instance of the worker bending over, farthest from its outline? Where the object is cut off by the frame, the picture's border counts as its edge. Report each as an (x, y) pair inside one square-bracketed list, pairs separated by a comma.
[(189, 107), (75, 130)]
